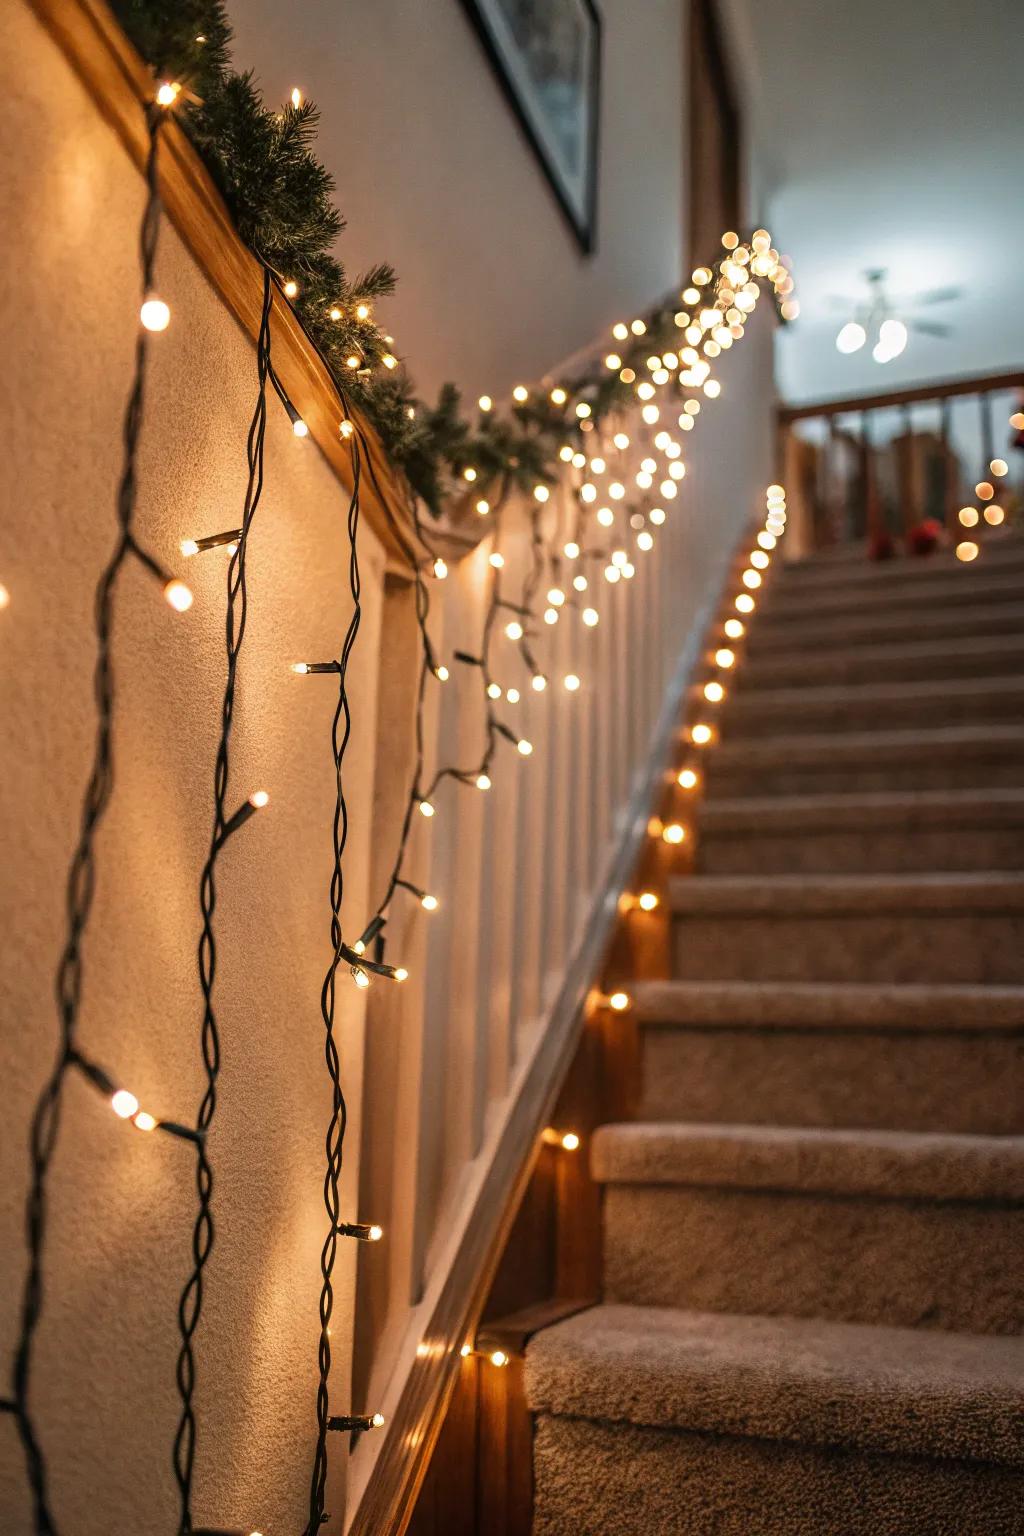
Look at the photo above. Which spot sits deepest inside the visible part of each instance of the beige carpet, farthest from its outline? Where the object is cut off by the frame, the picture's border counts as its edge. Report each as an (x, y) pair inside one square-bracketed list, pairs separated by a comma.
[(814, 1232)]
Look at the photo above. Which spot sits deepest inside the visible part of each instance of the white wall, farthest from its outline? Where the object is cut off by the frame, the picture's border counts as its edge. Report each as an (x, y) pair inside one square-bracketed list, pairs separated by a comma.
[(435, 175)]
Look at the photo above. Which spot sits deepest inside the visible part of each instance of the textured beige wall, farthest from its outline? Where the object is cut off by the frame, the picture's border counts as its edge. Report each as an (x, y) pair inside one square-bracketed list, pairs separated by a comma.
[(122, 1204), (435, 175)]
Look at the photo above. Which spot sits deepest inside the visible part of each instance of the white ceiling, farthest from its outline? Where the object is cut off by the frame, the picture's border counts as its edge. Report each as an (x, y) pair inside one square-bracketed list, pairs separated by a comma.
[(891, 135)]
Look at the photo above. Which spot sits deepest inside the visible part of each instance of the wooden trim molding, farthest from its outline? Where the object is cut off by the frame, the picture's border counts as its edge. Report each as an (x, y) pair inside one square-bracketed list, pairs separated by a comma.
[(121, 85), (389, 1496), (975, 384)]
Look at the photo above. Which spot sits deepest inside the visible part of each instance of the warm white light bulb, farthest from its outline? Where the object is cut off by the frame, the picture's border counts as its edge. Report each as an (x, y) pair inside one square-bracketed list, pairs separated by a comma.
[(167, 94), (426, 809), (296, 97), (258, 799), (178, 595), (539, 683), (440, 569), (524, 747), (571, 682), (155, 315), (733, 629), (673, 833), (724, 658), (687, 779), (299, 427), (571, 550), (496, 560), (124, 1104), (483, 781), (429, 903), (714, 693), (514, 630), (647, 901), (701, 734), (590, 617)]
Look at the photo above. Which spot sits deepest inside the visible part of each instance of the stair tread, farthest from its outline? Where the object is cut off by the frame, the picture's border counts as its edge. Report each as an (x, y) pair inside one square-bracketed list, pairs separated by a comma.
[(937, 652), (1004, 541), (827, 1005), (908, 809), (804, 576), (897, 1390), (774, 636), (820, 895), (879, 746), (999, 585), (925, 1165), (938, 690)]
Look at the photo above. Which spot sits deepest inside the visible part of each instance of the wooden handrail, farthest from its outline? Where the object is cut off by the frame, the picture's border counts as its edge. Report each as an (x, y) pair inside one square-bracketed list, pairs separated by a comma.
[(974, 384), (121, 84)]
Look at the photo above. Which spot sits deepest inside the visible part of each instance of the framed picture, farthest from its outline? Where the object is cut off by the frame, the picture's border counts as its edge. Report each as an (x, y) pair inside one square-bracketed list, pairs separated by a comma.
[(547, 54)]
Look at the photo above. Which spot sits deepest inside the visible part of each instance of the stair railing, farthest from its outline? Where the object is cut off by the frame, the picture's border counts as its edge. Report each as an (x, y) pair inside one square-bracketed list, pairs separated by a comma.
[(875, 467)]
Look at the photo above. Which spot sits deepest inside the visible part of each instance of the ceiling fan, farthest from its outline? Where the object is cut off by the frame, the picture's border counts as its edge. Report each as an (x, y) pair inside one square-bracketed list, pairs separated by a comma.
[(877, 316)]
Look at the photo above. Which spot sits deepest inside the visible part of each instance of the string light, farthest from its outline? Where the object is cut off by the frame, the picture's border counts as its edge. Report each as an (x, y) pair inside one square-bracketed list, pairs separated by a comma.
[(687, 779), (674, 833), (180, 597), (155, 315)]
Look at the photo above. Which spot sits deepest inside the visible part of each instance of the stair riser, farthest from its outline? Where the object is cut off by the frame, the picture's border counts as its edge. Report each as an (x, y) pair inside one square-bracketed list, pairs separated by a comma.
[(596, 1479), (745, 718), (810, 671), (885, 851), (966, 1083), (946, 946), (781, 778), (769, 636), (909, 1263)]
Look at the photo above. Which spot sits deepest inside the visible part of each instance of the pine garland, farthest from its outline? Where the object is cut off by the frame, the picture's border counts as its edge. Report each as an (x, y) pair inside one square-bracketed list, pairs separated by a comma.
[(281, 199)]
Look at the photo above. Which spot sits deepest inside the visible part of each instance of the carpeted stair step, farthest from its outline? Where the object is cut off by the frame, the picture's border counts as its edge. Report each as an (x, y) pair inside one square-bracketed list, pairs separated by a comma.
[(985, 656), (687, 1423), (992, 587), (1007, 541), (872, 706), (948, 757), (865, 833), (829, 629), (799, 577), (828, 1054), (908, 1228), (949, 927)]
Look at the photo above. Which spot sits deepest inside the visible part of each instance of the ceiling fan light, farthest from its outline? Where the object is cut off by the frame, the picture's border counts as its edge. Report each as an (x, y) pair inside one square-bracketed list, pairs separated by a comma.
[(892, 335), (852, 337)]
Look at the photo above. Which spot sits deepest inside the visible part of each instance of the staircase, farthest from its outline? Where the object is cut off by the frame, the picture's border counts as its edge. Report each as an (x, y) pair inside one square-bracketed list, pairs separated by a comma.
[(813, 1231)]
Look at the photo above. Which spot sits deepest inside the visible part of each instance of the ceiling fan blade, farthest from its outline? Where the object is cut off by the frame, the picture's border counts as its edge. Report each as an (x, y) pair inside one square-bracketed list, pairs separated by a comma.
[(937, 296), (930, 328)]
